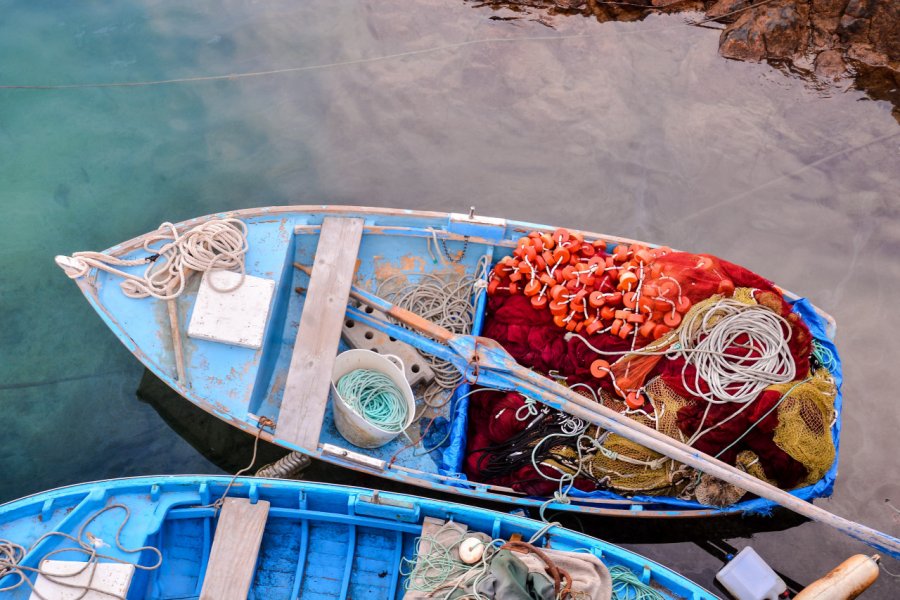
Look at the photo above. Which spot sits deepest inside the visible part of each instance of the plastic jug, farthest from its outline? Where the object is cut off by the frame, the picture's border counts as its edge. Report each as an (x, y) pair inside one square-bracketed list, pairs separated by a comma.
[(748, 577)]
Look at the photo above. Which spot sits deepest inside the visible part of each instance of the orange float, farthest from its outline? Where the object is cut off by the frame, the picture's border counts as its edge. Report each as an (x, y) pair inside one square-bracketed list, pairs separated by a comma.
[(561, 236), (634, 400), (558, 308), (683, 304), (647, 328), (660, 330), (627, 281), (726, 287), (600, 368), (672, 319), (561, 256), (616, 326), (539, 302)]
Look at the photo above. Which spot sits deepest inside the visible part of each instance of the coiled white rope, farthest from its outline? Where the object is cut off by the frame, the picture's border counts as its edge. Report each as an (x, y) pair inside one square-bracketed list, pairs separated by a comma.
[(217, 244), (704, 338), (375, 398)]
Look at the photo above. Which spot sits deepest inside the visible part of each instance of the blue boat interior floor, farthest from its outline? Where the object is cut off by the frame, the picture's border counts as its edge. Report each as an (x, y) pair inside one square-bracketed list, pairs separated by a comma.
[(319, 542)]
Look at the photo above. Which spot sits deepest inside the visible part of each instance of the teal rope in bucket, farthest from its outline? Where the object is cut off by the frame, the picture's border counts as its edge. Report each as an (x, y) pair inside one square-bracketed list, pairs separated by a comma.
[(375, 398)]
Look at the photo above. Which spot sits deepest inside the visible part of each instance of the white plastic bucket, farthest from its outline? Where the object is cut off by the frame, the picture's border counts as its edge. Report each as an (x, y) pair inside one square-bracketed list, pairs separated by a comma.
[(353, 427)]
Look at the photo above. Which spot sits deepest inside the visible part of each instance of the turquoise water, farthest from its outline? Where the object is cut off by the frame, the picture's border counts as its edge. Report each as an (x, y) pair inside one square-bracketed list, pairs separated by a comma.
[(636, 129)]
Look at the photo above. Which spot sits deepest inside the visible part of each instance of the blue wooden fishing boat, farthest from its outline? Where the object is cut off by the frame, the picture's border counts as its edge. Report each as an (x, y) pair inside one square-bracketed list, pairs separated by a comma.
[(282, 539), (262, 375)]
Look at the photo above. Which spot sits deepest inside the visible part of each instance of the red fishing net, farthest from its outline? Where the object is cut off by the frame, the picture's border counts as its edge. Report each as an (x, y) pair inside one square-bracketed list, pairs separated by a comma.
[(633, 297)]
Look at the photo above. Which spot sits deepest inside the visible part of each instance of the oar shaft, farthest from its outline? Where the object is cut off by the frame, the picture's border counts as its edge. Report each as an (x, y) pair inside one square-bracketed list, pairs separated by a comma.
[(574, 404), (497, 368), (401, 314)]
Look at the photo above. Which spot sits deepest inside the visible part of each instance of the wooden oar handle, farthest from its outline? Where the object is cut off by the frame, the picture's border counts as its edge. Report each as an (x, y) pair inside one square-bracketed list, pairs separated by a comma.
[(401, 314)]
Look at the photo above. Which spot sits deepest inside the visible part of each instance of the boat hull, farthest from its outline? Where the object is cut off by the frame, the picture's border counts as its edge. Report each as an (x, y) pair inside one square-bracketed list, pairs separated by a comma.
[(326, 540), (239, 387)]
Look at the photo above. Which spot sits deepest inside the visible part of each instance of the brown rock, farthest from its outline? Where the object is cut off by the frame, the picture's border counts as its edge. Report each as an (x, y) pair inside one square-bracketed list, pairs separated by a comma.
[(785, 29), (725, 7), (830, 63), (571, 4), (772, 31), (742, 40)]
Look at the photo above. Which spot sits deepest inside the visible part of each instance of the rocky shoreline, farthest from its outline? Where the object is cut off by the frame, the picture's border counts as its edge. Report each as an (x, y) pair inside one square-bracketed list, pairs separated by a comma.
[(831, 39)]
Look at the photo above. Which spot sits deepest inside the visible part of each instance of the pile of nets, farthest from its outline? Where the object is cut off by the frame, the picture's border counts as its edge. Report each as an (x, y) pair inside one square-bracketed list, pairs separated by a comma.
[(705, 351)]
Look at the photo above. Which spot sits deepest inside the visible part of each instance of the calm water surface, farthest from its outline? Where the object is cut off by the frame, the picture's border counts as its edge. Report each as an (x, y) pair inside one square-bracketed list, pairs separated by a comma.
[(637, 129)]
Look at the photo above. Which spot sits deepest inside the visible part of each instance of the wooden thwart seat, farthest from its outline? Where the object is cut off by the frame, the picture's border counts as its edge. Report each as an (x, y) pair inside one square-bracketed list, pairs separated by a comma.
[(232, 560), (315, 348)]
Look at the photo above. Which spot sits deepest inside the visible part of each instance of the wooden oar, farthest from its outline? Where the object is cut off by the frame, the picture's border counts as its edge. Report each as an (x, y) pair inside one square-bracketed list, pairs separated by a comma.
[(495, 367)]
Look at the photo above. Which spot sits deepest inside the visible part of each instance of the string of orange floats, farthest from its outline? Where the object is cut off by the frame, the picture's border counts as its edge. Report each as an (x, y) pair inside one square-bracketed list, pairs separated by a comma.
[(587, 289)]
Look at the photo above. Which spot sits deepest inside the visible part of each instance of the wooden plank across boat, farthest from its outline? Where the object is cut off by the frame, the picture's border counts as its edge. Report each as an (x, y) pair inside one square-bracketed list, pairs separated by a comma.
[(246, 386), (314, 540)]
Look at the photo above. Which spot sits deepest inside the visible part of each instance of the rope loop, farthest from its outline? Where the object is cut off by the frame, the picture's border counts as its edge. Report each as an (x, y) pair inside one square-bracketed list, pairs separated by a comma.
[(12, 554), (214, 245)]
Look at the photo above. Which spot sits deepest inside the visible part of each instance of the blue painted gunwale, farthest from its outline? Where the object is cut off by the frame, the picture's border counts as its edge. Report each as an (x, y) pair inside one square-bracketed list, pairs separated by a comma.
[(239, 385), (321, 541)]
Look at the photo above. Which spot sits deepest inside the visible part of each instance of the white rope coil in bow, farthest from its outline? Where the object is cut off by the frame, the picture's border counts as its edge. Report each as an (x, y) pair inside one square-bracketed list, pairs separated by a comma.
[(217, 244)]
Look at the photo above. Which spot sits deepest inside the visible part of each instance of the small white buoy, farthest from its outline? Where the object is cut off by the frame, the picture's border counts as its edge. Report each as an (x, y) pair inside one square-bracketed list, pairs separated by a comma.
[(471, 550)]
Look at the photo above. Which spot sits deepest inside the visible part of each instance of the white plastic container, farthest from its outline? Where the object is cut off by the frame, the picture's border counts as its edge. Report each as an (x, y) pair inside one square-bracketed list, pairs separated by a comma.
[(748, 577), (353, 427)]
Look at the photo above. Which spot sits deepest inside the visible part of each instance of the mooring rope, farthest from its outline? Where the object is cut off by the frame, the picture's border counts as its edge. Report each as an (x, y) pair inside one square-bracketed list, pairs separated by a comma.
[(217, 244), (12, 554)]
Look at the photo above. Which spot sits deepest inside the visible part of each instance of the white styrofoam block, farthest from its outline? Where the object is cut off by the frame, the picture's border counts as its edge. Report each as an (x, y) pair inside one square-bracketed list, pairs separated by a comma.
[(113, 578), (237, 317)]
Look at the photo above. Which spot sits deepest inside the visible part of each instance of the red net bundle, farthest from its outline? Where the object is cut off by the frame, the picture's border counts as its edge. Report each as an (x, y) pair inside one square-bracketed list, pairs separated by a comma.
[(618, 319)]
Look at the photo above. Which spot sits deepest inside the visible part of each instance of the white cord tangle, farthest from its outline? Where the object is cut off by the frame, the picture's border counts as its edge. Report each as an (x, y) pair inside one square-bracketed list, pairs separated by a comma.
[(217, 244), (704, 339)]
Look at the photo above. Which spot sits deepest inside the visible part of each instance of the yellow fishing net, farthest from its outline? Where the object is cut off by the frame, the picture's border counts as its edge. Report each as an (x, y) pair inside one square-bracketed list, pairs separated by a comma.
[(632, 468), (804, 417), (804, 423)]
